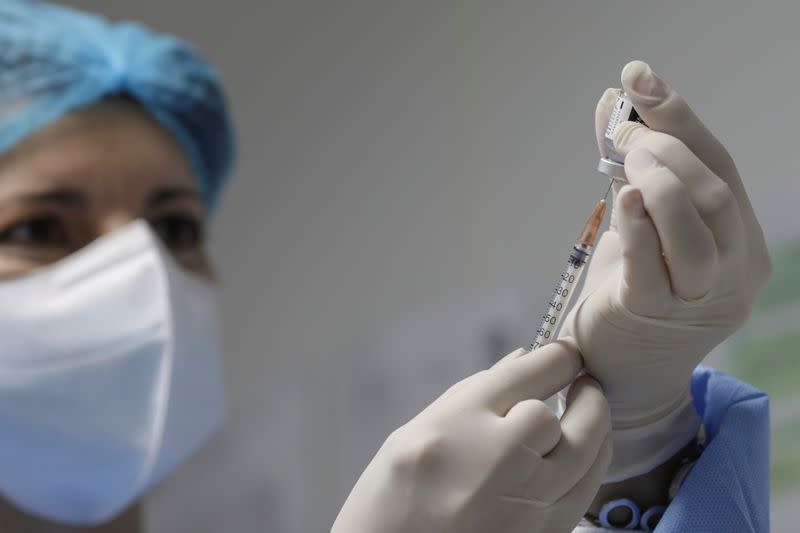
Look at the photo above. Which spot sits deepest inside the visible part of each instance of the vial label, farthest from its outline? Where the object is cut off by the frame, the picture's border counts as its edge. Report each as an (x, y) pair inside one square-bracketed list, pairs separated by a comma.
[(623, 112)]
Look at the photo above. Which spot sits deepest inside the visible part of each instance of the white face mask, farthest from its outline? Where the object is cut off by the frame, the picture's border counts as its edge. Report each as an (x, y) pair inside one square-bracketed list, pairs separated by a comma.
[(109, 377)]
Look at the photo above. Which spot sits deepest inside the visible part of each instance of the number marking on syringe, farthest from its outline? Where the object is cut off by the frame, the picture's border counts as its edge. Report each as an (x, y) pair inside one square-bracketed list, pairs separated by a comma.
[(551, 319)]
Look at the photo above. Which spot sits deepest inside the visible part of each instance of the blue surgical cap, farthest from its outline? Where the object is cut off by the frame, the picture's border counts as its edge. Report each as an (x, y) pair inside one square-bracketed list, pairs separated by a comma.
[(55, 59)]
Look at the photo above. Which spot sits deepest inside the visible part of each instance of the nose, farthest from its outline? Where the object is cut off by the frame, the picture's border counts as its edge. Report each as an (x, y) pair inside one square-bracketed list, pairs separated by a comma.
[(115, 220)]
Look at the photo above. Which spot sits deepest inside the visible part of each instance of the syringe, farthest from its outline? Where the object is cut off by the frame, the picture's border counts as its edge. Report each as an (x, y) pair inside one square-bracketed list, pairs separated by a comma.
[(570, 276)]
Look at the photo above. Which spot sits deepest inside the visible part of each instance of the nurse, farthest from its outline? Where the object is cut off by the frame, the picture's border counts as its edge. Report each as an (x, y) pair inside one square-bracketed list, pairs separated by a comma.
[(114, 145)]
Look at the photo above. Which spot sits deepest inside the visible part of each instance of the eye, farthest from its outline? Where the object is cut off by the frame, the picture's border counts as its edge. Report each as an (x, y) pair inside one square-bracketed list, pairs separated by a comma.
[(180, 233), (44, 231)]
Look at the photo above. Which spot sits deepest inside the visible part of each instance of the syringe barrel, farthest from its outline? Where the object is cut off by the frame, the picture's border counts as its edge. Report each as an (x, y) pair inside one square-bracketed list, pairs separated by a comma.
[(564, 291)]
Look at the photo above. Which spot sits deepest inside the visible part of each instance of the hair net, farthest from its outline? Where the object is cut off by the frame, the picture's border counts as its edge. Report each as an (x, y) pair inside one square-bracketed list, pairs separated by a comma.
[(55, 59)]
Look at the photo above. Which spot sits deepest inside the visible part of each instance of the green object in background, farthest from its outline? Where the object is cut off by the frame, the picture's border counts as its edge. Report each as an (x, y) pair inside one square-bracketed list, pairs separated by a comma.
[(771, 363), (785, 470), (766, 353), (784, 287)]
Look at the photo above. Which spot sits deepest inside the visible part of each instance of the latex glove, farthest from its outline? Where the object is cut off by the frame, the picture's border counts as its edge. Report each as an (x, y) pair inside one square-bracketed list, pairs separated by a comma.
[(679, 268), (489, 455)]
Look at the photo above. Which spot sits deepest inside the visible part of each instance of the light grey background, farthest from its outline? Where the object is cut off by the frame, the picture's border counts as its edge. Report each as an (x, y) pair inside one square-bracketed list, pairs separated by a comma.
[(399, 159)]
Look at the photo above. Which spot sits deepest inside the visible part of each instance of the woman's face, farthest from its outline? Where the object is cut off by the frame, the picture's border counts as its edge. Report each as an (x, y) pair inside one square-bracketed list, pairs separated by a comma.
[(89, 173)]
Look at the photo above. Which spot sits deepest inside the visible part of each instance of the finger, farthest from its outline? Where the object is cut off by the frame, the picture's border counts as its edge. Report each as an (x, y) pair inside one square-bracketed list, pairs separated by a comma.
[(585, 490), (519, 352), (663, 109), (584, 427), (464, 384), (537, 375), (644, 272), (534, 426), (686, 242), (711, 196), (602, 114)]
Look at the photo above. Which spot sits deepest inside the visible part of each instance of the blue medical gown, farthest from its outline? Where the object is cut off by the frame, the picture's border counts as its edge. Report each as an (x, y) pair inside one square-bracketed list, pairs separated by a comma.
[(727, 490)]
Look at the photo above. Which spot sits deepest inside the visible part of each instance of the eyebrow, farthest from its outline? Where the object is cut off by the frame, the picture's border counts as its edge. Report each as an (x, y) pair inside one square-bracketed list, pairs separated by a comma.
[(74, 199), (169, 194), (69, 198)]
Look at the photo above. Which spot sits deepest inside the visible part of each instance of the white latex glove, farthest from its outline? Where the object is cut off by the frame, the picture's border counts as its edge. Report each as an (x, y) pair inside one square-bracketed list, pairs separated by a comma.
[(679, 268), (489, 455)]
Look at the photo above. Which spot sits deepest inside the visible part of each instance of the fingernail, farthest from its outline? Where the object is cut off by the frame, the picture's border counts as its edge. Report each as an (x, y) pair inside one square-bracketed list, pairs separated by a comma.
[(640, 159), (626, 134), (639, 79), (632, 203)]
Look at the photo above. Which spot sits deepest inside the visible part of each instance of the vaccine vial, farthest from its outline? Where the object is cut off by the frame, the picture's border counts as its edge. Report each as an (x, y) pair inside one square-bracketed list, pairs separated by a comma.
[(613, 165)]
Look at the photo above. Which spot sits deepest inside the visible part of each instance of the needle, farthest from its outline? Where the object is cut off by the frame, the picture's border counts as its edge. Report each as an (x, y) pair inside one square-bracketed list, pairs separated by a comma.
[(592, 227), (610, 183)]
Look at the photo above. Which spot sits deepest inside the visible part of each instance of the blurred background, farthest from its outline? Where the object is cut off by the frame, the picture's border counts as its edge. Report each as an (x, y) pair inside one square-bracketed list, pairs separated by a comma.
[(399, 213)]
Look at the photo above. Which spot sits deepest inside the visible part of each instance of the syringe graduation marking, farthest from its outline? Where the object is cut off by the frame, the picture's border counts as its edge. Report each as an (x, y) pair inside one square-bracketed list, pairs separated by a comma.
[(560, 297)]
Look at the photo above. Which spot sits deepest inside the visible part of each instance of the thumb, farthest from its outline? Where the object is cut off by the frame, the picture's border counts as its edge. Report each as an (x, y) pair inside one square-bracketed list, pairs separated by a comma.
[(664, 110), (644, 273)]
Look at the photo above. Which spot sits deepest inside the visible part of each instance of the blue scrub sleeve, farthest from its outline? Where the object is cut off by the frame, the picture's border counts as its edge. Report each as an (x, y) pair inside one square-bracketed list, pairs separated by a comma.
[(728, 487)]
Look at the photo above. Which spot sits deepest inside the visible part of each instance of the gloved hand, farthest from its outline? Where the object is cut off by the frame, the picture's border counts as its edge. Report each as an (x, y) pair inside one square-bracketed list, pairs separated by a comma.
[(489, 455), (679, 268)]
